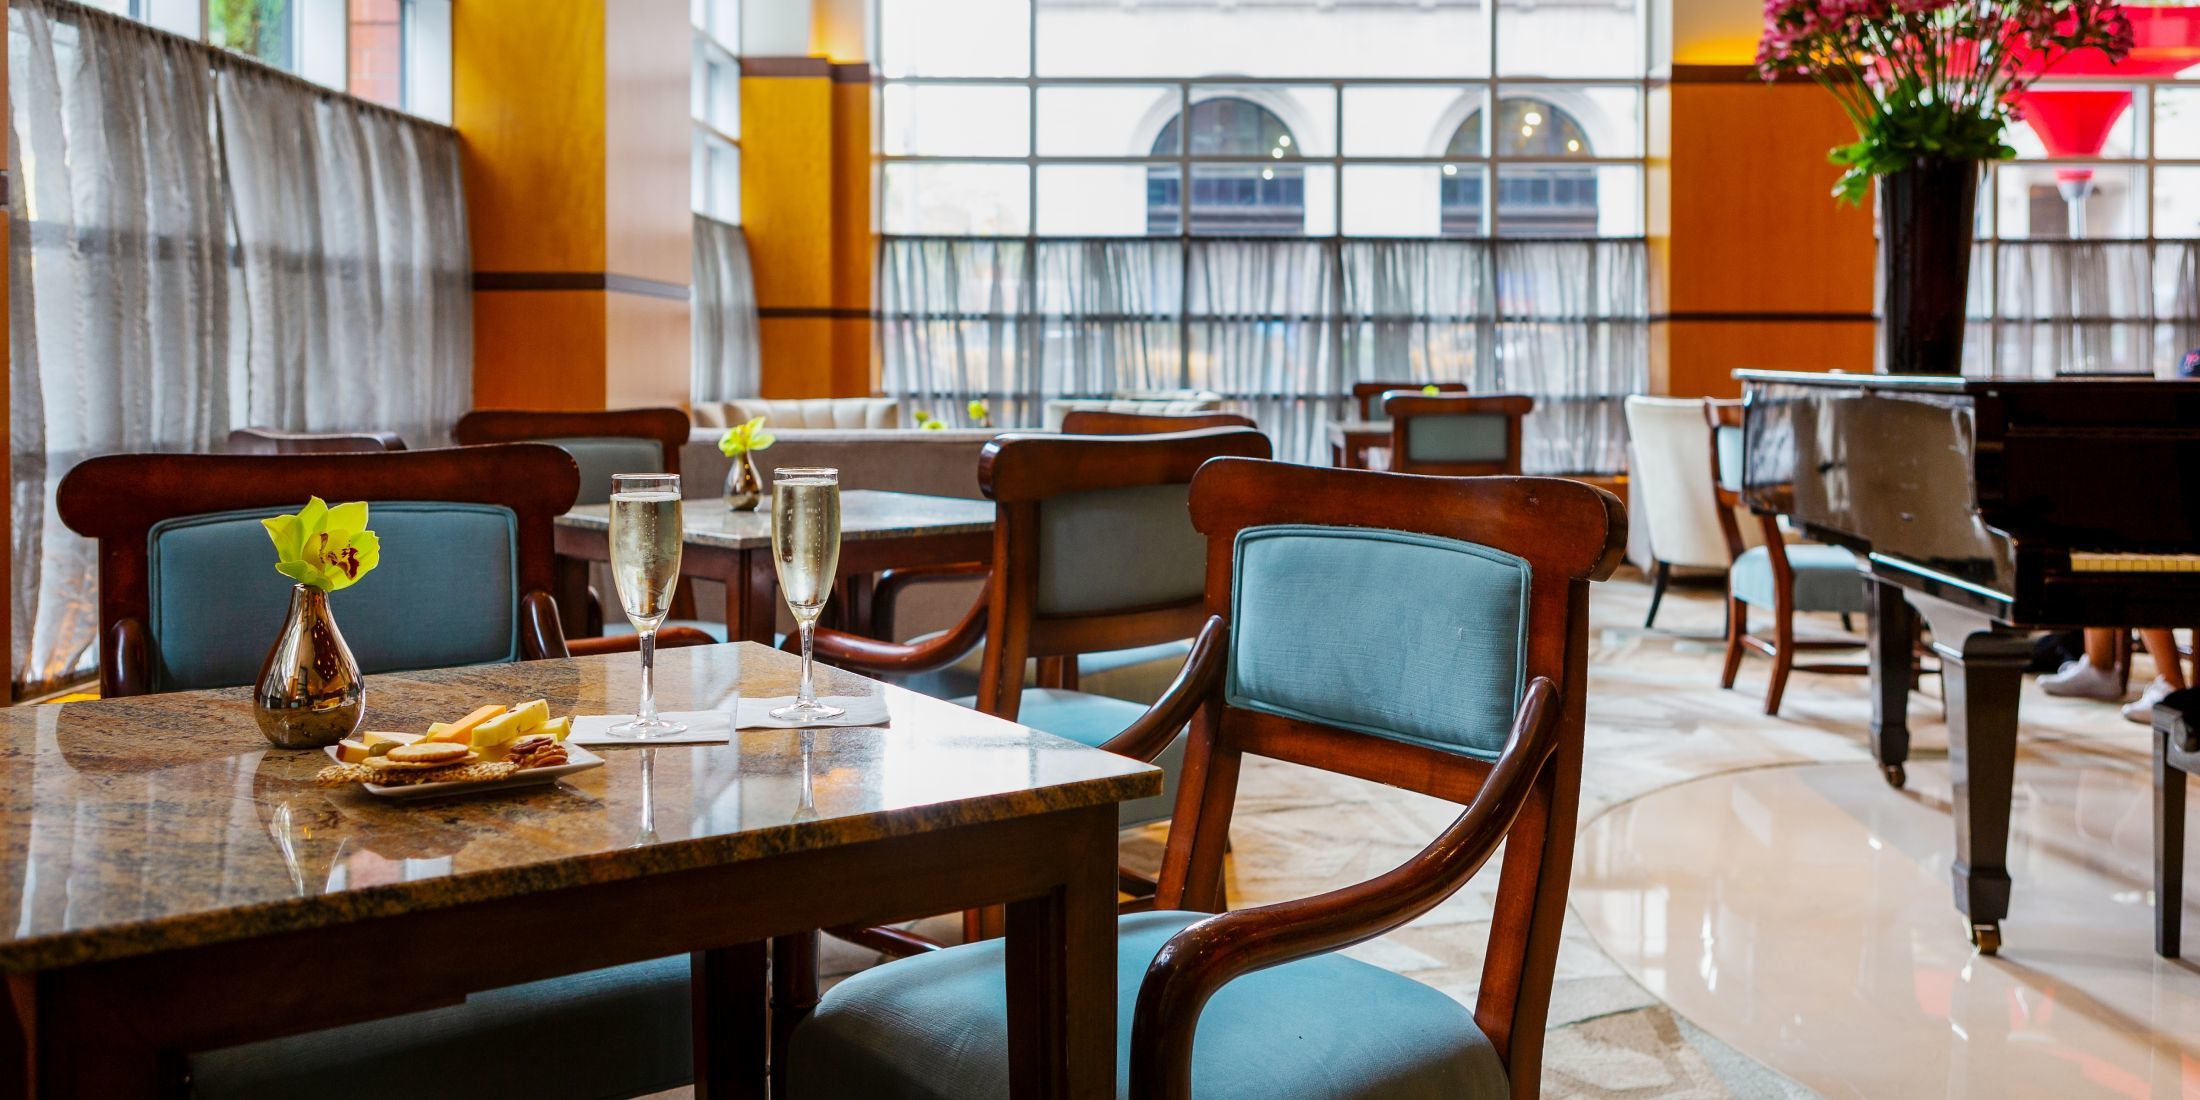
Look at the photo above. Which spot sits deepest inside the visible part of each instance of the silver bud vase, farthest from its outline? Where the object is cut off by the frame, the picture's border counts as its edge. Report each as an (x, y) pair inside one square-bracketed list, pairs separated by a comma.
[(743, 488), (310, 693)]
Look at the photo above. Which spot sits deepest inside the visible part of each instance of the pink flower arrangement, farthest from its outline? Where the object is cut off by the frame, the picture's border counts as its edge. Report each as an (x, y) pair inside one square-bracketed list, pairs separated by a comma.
[(1929, 79)]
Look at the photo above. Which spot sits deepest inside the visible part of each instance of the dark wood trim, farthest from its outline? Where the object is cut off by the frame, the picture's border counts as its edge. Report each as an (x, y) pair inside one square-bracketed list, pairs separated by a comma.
[(1770, 316), (786, 66), (1742, 73), (579, 280), (815, 313), (851, 72)]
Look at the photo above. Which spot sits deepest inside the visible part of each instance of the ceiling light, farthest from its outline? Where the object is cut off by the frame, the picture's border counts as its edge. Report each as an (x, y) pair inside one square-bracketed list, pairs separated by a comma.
[(1284, 141), (1532, 118), (1573, 146), (1527, 131), (1451, 169), (1268, 173), (1276, 153)]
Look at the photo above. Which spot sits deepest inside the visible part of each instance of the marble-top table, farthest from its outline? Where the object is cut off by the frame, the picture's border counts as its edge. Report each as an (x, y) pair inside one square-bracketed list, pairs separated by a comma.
[(171, 883), (878, 530), (1351, 440)]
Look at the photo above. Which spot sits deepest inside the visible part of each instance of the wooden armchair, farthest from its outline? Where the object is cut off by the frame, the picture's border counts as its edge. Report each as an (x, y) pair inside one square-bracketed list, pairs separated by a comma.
[(618, 441), (1367, 397), (268, 441), (1456, 435), (1781, 576), (1495, 637), (1102, 422), (189, 596)]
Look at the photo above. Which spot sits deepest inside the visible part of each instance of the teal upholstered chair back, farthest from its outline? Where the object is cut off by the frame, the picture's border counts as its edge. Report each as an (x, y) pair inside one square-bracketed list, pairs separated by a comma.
[(1106, 550), (1456, 439), (600, 457), (217, 602), (1456, 433), (1094, 548), (1404, 636)]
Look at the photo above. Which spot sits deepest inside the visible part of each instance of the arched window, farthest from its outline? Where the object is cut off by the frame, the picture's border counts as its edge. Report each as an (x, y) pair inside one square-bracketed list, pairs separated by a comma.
[(1532, 201), (1241, 199)]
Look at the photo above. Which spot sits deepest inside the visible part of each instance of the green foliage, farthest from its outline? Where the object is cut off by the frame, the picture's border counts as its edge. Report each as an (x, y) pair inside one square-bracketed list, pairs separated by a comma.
[(323, 547), (1908, 131), (744, 438)]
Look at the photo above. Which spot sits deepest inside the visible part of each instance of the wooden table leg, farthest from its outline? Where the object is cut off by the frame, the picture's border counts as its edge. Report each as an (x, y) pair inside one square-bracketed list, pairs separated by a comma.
[(1981, 674), (572, 596), (750, 594), (83, 1049), (1060, 961), (794, 996), (727, 985), (1893, 641), (2169, 849)]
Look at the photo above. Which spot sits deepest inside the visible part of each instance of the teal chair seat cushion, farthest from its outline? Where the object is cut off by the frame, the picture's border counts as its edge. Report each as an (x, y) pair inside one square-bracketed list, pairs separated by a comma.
[(1090, 720), (1827, 578), (1405, 636), (934, 1027), (601, 457), (1139, 674), (445, 594), (616, 1032)]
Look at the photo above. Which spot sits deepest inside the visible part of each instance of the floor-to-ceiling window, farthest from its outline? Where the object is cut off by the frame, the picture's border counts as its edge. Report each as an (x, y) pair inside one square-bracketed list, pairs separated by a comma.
[(1268, 201), (393, 52), (2089, 241), (723, 352)]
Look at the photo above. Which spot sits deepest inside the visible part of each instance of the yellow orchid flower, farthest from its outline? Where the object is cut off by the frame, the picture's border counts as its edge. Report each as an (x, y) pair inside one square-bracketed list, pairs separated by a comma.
[(744, 438), (979, 414), (323, 547), (1430, 390)]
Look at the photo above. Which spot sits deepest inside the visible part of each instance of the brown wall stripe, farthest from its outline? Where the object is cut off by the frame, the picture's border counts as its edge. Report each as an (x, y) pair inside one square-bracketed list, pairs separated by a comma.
[(851, 72), (1725, 74), (788, 66), (578, 280)]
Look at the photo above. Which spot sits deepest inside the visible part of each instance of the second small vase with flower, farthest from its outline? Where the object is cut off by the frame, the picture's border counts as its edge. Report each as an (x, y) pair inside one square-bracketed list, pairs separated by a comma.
[(744, 490), (310, 692)]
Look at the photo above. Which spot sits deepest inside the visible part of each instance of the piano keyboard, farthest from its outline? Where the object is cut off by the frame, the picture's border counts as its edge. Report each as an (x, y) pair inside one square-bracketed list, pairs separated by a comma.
[(2085, 561)]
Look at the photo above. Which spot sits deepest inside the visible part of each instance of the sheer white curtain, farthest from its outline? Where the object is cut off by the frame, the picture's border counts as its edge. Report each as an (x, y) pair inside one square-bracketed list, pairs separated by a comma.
[(727, 361), (199, 244), (1281, 327)]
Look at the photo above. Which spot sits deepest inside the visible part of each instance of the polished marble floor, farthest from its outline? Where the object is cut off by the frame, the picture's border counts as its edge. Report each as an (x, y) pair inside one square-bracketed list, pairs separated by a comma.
[(1757, 915)]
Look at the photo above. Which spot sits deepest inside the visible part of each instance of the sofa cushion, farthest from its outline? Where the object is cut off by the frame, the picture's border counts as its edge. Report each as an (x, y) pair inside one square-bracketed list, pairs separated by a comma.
[(1149, 405), (845, 413)]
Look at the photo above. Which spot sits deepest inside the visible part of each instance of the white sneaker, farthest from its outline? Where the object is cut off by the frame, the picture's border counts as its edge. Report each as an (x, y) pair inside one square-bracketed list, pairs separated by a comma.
[(2079, 679), (2141, 710)]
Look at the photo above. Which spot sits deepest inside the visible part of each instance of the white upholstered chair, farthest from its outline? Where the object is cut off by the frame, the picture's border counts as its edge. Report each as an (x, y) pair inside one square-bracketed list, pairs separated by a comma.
[(1672, 485)]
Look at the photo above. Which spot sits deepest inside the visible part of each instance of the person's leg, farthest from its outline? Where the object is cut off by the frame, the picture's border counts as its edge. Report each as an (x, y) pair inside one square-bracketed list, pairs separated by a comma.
[(2091, 677), (2168, 675)]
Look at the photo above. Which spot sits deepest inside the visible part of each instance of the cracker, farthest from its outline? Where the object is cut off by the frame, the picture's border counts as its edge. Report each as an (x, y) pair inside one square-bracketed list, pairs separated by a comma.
[(386, 765), (428, 752), (478, 772)]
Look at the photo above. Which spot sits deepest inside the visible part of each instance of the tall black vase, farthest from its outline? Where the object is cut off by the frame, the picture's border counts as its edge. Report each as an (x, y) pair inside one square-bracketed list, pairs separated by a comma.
[(1925, 218)]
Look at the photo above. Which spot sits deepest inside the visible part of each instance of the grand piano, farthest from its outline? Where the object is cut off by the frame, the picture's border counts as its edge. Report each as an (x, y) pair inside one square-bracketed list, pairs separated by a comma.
[(1993, 508)]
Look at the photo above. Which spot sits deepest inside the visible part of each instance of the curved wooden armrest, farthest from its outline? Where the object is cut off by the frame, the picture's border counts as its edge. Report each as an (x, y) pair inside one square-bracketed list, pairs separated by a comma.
[(541, 635), (671, 637), (858, 653), (1206, 956), (1194, 685), (132, 673)]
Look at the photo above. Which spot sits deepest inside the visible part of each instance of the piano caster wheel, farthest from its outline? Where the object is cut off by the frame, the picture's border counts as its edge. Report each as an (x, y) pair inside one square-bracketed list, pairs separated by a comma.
[(1895, 775), (1987, 938)]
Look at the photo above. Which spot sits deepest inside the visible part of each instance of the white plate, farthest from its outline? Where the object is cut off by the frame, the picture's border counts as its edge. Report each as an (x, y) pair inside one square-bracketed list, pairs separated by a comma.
[(577, 759)]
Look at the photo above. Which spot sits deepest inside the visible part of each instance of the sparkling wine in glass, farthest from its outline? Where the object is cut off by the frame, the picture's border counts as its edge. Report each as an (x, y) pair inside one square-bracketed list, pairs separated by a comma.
[(645, 563), (806, 548)]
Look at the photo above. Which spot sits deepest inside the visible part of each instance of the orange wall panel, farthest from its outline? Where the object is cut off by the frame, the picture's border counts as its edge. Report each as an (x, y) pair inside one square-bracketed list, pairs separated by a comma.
[(787, 187), (527, 98), (1699, 358), (539, 349), (855, 239), (798, 356)]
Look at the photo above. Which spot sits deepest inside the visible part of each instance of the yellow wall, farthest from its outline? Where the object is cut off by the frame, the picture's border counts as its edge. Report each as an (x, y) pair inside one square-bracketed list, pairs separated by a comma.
[(574, 129)]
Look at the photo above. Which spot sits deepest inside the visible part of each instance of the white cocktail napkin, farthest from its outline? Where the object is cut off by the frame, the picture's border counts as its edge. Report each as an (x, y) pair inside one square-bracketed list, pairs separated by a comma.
[(716, 727)]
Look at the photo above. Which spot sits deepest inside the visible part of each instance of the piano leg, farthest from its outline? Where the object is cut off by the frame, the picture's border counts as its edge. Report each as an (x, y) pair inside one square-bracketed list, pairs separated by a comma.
[(1981, 673), (1893, 636)]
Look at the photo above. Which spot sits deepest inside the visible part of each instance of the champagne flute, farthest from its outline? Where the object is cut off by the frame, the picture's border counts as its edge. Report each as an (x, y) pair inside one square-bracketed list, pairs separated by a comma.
[(806, 548), (645, 562)]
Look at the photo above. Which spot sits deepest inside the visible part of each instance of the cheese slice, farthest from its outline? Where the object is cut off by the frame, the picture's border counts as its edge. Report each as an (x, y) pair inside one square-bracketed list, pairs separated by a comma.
[(556, 727), (498, 730), (379, 743), (461, 732), (349, 751), (532, 714)]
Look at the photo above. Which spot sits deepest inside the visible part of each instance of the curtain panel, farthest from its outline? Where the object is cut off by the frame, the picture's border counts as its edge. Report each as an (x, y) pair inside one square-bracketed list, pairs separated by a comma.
[(1280, 327), (200, 243), (2043, 308), (728, 363)]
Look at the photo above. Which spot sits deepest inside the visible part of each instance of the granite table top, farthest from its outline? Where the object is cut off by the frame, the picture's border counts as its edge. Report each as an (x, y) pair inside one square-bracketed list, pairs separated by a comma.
[(864, 514), (135, 825)]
